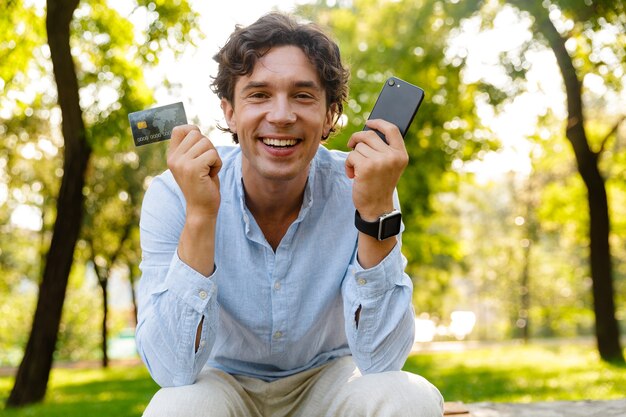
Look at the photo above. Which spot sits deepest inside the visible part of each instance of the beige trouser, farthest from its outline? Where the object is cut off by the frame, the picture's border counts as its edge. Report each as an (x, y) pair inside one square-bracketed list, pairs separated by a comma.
[(335, 389)]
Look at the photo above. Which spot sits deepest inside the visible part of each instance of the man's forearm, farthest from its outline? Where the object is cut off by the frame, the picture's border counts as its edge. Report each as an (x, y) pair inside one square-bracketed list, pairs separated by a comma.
[(196, 247), (371, 251)]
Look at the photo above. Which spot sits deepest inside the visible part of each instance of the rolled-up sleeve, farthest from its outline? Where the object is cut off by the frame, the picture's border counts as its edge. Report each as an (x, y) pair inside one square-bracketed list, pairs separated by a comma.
[(384, 334), (172, 297)]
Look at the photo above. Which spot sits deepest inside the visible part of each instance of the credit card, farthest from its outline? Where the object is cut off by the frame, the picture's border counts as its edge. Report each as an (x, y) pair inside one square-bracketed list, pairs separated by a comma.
[(156, 124)]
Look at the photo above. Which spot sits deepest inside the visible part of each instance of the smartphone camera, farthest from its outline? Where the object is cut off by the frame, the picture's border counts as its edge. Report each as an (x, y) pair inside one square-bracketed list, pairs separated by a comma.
[(391, 82)]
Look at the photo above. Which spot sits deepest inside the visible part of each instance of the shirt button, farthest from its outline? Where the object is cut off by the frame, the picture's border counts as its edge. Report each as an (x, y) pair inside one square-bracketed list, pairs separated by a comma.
[(277, 285), (203, 294), (361, 281), (278, 334), (202, 343)]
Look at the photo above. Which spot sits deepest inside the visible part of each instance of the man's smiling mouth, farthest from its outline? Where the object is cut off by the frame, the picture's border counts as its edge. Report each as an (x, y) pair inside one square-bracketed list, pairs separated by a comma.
[(279, 143)]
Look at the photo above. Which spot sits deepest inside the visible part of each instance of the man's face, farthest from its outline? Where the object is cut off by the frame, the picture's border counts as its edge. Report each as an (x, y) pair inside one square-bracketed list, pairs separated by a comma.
[(279, 114)]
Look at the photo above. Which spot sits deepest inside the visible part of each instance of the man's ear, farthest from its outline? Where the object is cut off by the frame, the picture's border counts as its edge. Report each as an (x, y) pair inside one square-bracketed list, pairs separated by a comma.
[(229, 113), (331, 119)]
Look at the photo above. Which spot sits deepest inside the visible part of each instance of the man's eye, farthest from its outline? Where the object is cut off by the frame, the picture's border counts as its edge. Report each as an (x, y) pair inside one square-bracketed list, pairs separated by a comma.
[(258, 95)]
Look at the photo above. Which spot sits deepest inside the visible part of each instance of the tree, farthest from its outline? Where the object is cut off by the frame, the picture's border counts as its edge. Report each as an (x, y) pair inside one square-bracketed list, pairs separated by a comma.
[(168, 27), (103, 269), (32, 376), (408, 39), (111, 227), (587, 18), (412, 40)]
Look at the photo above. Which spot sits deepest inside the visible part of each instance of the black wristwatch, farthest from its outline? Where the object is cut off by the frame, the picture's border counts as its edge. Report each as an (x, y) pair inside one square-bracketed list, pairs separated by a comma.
[(386, 226)]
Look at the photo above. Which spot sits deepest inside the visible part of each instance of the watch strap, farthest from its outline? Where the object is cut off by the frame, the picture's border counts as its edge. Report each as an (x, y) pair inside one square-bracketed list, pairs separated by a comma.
[(385, 226), (369, 228)]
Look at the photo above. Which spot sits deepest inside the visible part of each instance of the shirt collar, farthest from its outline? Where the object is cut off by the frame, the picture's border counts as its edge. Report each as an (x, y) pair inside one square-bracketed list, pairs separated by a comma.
[(307, 201)]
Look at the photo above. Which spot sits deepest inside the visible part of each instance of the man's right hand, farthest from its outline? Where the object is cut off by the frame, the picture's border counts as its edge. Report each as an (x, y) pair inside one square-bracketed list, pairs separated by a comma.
[(194, 162)]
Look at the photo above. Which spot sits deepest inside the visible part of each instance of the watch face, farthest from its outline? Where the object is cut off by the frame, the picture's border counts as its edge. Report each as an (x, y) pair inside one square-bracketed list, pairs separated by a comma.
[(390, 226)]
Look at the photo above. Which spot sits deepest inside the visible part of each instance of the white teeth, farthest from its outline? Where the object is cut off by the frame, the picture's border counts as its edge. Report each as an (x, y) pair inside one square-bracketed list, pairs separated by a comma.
[(279, 142)]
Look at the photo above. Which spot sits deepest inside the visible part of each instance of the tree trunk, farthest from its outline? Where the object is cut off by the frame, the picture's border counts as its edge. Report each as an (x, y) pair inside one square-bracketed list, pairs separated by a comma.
[(607, 329), (524, 313), (102, 274), (32, 376), (105, 313), (133, 296)]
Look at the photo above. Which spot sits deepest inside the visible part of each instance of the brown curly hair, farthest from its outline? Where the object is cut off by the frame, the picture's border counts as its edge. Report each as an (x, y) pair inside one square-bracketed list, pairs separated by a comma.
[(247, 44)]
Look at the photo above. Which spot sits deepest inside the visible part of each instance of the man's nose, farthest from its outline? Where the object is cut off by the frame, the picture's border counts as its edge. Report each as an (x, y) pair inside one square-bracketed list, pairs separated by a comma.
[(281, 112)]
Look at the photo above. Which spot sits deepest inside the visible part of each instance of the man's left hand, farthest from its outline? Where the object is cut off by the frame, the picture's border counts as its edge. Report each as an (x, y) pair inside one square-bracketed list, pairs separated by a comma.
[(375, 167)]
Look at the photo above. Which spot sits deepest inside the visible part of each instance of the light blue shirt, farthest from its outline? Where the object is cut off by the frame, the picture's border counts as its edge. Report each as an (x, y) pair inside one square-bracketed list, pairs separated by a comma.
[(268, 314)]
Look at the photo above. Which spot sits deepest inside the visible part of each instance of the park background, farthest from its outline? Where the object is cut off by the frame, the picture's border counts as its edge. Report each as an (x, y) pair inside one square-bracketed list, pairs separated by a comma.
[(513, 200)]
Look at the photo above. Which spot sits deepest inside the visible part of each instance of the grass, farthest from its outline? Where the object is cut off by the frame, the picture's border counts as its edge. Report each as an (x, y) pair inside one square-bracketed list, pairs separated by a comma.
[(521, 374), (499, 374), (118, 391)]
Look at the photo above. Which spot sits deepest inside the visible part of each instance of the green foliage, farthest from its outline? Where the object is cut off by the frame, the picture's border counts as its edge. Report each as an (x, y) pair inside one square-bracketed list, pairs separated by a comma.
[(113, 60), (27, 155), (464, 247), (112, 50), (602, 55), (409, 39), (559, 286), (21, 32), (488, 279), (79, 333), (79, 337), (13, 328)]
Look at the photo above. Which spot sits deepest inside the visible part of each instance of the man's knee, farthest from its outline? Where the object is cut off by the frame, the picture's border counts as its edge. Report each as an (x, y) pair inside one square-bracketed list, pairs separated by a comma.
[(212, 395), (389, 394)]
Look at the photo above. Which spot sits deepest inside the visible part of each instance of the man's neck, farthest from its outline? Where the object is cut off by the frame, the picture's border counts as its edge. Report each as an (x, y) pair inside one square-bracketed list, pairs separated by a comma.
[(275, 205), (272, 198), (275, 201)]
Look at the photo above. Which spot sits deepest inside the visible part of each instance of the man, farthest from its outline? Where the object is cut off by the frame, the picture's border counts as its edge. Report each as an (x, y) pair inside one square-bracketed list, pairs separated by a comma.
[(259, 296)]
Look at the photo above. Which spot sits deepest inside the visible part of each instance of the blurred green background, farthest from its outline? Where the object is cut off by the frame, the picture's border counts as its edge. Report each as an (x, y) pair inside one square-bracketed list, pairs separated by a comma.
[(515, 179)]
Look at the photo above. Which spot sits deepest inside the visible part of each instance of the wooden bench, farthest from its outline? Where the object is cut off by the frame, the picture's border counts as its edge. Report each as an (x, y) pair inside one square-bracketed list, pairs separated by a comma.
[(455, 409)]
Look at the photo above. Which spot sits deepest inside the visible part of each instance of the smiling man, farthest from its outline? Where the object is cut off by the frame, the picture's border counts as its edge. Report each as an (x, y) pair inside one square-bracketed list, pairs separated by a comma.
[(267, 287)]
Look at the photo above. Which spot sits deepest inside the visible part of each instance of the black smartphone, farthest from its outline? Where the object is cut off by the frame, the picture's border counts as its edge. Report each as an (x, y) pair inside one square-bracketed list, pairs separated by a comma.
[(397, 103)]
